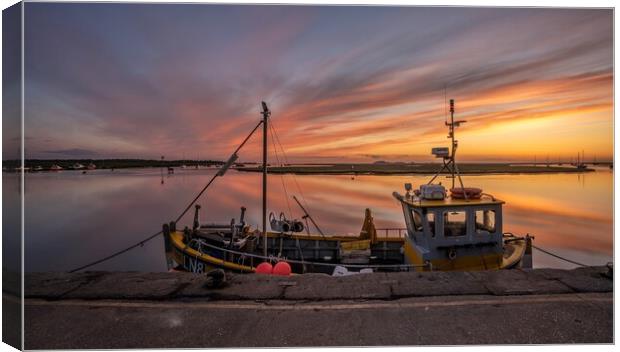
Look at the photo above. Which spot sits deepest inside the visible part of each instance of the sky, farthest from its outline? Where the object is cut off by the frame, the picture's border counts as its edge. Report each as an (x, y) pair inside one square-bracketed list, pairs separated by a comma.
[(344, 84)]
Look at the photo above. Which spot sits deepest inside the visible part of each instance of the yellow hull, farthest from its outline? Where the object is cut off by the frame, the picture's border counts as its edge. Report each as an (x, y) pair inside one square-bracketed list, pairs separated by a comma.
[(470, 263), (194, 261)]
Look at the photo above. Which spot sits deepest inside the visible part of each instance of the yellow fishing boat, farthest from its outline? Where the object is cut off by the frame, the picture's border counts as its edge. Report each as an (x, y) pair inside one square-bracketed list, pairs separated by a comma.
[(456, 229)]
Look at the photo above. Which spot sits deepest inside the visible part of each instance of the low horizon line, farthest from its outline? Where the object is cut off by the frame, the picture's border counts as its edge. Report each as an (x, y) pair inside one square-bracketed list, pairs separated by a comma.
[(326, 162)]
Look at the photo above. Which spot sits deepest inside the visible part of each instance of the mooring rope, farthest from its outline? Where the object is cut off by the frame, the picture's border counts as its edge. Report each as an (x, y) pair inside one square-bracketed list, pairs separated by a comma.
[(139, 244), (150, 237), (509, 237), (558, 256)]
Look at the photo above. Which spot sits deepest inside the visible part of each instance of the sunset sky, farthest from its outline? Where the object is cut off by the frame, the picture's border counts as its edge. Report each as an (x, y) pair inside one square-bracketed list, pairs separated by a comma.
[(343, 83)]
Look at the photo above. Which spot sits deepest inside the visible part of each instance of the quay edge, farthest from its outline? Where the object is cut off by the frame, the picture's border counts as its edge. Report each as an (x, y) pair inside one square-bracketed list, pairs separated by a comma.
[(167, 310)]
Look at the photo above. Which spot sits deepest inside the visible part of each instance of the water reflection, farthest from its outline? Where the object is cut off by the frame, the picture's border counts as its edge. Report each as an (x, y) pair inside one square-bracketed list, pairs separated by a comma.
[(74, 218)]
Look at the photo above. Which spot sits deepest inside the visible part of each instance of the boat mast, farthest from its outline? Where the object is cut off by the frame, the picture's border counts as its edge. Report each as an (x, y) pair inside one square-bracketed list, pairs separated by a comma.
[(266, 114), (451, 135), (449, 161)]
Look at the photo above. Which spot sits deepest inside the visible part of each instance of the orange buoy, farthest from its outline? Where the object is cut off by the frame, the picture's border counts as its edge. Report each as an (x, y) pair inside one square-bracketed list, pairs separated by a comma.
[(282, 268), (264, 268), (471, 192)]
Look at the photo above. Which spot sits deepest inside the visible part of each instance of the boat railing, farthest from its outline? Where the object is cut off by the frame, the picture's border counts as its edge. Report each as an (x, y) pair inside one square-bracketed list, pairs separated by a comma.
[(200, 245), (393, 232)]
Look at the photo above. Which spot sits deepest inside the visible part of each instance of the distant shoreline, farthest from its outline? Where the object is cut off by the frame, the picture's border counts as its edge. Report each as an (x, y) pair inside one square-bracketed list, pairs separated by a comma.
[(303, 169), (69, 164), (408, 169)]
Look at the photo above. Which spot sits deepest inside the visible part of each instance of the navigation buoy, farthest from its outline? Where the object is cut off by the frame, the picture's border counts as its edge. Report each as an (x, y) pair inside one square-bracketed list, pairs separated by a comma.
[(282, 268), (264, 268)]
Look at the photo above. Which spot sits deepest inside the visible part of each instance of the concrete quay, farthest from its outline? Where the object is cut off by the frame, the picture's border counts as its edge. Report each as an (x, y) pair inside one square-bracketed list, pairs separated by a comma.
[(97, 310)]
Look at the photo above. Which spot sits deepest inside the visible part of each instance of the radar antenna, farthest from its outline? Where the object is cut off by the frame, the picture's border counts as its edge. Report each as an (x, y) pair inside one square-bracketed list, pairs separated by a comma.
[(449, 156)]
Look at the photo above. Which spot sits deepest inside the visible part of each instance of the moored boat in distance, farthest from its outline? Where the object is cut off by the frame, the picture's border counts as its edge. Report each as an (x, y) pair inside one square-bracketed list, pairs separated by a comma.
[(21, 168), (55, 167), (456, 229)]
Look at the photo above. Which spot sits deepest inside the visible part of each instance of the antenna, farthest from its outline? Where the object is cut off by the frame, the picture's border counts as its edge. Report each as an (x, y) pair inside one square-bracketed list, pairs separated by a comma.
[(449, 157), (445, 102)]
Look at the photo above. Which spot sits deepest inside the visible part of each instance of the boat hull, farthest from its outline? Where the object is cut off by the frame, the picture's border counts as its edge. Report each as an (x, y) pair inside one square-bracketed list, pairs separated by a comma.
[(385, 255)]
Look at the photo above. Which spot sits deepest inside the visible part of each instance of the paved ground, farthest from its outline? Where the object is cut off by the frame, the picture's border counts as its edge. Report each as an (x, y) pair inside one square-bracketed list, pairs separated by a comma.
[(166, 310)]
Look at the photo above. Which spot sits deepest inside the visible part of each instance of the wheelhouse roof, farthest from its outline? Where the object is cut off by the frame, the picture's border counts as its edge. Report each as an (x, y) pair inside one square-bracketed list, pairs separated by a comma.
[(447, 202)]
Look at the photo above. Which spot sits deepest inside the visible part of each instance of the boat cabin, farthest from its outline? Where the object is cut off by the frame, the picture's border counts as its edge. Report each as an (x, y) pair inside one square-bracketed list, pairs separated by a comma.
[(453, 233)]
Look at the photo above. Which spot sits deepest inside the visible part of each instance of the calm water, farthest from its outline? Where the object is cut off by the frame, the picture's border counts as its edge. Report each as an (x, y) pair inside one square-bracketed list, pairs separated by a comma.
[(74, 218)]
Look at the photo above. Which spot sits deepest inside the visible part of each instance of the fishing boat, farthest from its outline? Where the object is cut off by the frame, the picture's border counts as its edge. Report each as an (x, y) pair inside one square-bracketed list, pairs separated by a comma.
[(456, 229)]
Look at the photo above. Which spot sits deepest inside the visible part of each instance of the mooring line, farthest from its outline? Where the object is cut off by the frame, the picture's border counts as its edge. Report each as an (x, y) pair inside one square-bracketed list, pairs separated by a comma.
[(558, 256), (513, 237), (139, 244)]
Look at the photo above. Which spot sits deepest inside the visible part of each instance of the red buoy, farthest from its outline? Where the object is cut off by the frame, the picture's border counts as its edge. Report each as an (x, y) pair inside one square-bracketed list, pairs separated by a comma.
[(264, 268), (282, 268)]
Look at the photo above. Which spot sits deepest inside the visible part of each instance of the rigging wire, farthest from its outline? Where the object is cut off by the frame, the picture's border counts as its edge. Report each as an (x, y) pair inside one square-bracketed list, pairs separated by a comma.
[(277, 138), (275, 151), (142, 242)]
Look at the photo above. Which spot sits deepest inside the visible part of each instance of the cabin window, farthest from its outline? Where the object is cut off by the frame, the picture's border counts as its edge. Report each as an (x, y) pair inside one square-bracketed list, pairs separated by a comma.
[(455, 223), (485, 221), (430, 218), (417, 221)]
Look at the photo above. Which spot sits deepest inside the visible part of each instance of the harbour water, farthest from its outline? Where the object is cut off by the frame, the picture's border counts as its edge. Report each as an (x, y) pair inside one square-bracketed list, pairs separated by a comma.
[(73, 218)]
